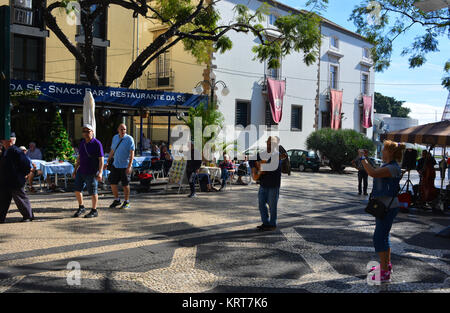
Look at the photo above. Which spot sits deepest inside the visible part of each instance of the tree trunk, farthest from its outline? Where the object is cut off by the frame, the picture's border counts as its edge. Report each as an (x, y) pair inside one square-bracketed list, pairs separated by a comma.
[(136, 68)]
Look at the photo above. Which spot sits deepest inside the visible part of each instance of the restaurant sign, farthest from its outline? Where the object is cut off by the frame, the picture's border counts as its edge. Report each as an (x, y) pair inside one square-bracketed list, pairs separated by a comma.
[(70, 93)]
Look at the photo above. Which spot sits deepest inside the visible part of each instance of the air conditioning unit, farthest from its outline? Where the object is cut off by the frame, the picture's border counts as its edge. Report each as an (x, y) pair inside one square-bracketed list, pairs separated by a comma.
[(23, 17), (26, 4)]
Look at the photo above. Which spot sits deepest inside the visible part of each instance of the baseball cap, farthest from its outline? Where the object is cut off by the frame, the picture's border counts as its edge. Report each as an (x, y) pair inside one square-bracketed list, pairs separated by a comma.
[(23, 148), (12, 135), (88, 126)]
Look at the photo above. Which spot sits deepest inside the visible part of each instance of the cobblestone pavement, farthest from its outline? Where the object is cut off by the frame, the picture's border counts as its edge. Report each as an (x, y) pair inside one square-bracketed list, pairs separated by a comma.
[(169, 243)]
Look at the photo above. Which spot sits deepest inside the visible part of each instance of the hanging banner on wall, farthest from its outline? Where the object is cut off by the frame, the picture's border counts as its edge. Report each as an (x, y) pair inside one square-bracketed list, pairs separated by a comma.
[(367, 111), (276, 90), (336, 108), (70, 93)]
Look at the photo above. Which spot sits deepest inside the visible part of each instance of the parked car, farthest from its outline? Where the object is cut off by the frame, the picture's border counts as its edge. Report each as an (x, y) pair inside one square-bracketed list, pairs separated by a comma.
[(376, 161), (302, 160)]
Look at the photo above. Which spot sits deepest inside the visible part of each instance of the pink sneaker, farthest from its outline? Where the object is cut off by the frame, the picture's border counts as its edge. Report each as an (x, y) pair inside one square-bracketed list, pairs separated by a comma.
[(385, 277), (376, 268)]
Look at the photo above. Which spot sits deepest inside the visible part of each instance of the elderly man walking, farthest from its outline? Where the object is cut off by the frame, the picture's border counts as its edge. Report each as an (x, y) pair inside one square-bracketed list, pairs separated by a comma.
[(120, 162), (14, 166), (88, 170)]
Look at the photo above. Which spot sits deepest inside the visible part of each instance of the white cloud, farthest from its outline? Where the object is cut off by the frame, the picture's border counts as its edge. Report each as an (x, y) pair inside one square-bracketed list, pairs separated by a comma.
[(425, 113)]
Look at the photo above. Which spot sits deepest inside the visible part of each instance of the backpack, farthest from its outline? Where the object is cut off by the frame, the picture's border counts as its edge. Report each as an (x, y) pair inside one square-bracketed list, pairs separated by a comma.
[(203, 184)]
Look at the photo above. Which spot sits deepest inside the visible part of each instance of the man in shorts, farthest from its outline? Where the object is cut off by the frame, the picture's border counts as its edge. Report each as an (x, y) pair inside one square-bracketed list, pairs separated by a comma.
[(88, 170), (122, 150)]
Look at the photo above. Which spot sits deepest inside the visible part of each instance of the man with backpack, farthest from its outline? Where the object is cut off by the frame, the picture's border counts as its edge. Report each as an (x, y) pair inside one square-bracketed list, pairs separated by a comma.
[(88, 170), (14, 166), (120, 162)]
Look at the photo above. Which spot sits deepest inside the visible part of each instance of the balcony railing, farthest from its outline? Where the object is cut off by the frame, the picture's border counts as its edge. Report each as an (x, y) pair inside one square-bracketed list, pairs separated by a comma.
[(28, 17), (24, 17), (160, 80), (264, 83)]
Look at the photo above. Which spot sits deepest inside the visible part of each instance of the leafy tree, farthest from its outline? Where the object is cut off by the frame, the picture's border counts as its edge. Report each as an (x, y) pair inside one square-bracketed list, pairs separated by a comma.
[(389, 105), (59, 145), (209, 115), (340, 146), (396, 18), (195, 23)]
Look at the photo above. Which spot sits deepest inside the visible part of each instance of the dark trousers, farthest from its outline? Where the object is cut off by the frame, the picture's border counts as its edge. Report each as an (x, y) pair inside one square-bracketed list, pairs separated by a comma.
[(192, 178), (21, 200), (362, 178)]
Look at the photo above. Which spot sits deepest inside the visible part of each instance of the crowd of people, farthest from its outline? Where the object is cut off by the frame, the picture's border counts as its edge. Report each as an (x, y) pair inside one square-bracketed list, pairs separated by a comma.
[(90, 166), (16, 167)]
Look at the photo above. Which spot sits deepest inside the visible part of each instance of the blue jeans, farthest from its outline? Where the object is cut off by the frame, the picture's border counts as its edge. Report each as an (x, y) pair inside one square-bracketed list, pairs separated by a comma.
[(86, 181), (224, 176), (268, 196), (383, 227)]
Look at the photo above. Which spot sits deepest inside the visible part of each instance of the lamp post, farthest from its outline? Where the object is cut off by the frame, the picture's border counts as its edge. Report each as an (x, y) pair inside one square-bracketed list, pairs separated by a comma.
[(5, 112)]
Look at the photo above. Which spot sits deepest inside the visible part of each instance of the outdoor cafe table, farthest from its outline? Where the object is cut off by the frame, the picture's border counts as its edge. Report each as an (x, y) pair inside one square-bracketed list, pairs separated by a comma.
[(56, 167), (37, 163)]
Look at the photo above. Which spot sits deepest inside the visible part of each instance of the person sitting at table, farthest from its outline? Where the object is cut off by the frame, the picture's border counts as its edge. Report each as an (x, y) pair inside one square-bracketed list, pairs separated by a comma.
[(167, 158), (243, 170), (155, 151), (35, 173), (34, 153), (146, 144), (202, 176), (227, 167)]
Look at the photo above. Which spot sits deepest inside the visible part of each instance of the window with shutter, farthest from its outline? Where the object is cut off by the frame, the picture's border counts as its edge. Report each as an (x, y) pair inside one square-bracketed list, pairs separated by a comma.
[(269, 120), (296, 118), (242, 116)]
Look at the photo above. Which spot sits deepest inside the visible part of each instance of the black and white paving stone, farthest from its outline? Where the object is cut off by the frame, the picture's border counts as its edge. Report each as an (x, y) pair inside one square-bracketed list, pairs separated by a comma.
[(171, 244)]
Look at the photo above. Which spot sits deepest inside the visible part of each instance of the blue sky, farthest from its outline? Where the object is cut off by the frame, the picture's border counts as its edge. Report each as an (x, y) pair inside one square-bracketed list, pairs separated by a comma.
[(421, 87)]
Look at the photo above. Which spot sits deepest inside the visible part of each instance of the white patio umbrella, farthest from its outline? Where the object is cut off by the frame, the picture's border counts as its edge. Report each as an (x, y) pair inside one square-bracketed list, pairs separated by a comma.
[(89, 110)]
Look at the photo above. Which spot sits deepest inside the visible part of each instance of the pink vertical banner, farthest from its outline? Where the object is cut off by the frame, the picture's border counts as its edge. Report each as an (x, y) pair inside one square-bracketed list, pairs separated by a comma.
[(367, 112), (336, 108), (276, 92)]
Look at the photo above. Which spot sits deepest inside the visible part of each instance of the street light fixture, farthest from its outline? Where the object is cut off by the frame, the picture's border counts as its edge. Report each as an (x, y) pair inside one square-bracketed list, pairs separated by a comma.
[(199, 88)]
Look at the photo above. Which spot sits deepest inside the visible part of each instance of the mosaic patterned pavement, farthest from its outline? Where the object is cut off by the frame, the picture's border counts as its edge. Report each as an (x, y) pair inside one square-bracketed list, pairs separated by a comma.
[(168, 243)]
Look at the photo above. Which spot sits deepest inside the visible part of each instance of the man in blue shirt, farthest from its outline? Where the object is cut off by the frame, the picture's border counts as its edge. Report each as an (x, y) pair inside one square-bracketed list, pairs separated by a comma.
[(122, 150), (88, 170), (14, 166)]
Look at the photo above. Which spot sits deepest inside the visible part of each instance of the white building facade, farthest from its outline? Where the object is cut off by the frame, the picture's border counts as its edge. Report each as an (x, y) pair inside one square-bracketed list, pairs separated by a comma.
[(344, 64)]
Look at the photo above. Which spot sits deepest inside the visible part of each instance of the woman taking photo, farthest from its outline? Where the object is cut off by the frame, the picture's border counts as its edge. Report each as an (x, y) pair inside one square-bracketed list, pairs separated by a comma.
[(386, 185)]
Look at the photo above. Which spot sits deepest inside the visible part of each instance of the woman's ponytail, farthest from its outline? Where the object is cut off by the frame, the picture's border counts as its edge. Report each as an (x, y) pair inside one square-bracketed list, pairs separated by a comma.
[(396, 149)]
